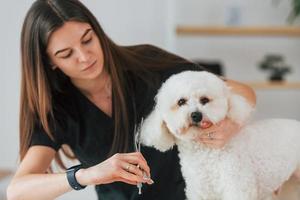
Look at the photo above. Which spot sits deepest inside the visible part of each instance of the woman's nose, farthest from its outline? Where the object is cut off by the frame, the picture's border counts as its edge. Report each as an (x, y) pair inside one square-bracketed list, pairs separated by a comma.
[(83, 55)]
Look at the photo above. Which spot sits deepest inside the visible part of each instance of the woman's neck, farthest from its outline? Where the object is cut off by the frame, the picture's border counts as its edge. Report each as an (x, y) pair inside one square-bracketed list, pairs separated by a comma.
[(98, 86)]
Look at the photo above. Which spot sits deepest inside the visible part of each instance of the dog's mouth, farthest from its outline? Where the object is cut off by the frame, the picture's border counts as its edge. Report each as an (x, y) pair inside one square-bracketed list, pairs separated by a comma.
[(203, 124)]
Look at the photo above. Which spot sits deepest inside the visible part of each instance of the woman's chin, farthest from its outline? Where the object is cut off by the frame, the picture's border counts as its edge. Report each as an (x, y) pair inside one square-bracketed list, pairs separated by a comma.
[(93, 74)]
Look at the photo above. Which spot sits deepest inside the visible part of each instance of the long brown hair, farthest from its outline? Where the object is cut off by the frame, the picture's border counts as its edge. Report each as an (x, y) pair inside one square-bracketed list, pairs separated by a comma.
[(39, 82)]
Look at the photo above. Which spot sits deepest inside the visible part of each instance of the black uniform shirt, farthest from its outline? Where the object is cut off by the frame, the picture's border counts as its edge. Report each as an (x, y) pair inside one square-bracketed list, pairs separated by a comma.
[(88, 131)]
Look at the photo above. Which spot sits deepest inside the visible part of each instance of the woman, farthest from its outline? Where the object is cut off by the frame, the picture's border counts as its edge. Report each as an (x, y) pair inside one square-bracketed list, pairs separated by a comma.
[(81, 89)]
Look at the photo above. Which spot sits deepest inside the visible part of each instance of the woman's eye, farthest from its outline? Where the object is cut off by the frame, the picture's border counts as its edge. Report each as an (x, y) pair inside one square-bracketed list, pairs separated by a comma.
[(87, 41), (181, 102), (67, 56), (204, 100)]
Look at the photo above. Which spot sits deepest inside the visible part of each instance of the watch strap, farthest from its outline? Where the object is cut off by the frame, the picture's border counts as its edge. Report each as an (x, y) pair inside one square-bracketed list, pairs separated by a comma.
[(72, 178)]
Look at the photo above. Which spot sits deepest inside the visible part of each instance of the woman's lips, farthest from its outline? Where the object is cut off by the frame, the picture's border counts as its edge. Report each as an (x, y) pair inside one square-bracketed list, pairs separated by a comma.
[(87, 68)]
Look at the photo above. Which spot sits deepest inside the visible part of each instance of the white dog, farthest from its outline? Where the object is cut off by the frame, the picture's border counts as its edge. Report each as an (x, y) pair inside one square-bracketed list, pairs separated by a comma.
[(256, 162)]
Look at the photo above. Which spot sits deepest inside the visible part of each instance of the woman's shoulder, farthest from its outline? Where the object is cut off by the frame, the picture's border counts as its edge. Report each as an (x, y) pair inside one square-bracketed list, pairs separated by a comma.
[(60, 122)]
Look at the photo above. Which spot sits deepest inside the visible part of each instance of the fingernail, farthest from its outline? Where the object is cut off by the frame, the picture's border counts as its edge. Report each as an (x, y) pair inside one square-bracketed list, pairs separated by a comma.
[(150, 181), (145, 176)]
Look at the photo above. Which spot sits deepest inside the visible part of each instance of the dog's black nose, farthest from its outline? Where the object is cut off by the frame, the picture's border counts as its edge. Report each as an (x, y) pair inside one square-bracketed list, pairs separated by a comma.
[(196, 117)]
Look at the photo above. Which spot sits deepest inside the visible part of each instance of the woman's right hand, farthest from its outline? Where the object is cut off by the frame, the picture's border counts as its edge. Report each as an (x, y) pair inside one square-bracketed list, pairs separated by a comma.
[(124, 167)]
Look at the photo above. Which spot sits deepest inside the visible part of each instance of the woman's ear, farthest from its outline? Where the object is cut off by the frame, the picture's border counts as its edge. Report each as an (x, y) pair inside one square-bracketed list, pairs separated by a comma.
[(154, 132), (239, 109), (51, 64), (53, 67)]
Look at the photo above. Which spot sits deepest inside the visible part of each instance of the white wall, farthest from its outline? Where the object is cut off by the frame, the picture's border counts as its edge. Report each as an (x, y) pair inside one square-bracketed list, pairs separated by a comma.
[(240, 54), (256, 12), (11, 14), (144, 21), (132, 21)]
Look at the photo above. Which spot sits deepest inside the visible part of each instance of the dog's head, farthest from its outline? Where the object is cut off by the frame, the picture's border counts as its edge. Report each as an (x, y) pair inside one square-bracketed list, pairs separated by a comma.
[(189, 102)]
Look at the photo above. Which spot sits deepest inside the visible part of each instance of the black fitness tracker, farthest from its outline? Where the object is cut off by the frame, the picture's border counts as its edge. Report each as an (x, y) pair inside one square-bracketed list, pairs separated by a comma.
[(72, 179)]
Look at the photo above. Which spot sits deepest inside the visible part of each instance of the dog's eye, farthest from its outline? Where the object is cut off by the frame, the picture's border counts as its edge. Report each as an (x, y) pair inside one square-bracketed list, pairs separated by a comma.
[(204, 100), (181, 102)]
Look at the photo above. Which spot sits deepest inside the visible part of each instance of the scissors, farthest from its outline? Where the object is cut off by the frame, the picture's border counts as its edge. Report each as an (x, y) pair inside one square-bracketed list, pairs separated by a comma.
[(137, 148)]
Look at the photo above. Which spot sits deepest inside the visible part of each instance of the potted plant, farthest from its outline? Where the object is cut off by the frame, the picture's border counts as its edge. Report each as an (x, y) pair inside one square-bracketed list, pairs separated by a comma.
[(275, 65), (295, 12)]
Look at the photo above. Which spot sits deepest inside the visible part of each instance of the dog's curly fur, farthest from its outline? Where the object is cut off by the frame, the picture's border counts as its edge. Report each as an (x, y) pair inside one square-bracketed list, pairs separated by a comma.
[(251, 166)]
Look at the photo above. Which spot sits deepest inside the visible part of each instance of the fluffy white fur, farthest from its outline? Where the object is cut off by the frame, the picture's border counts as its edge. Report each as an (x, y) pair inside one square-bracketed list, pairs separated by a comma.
[(250, 167)]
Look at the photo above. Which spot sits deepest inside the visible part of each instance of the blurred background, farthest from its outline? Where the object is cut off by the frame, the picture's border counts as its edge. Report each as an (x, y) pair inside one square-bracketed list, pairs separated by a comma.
[(256, 42)]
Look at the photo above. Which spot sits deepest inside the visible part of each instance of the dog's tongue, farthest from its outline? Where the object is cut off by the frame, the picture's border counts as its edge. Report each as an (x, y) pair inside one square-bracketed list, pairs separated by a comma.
[(205, 124)]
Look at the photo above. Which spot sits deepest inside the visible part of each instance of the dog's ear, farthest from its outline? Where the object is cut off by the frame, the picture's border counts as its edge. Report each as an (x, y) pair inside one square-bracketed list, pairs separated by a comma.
[(154, 132), (239, 109)]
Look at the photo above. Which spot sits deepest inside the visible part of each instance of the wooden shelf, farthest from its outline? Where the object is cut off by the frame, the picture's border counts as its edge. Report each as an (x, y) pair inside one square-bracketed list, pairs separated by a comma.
[(274, 85), (287, 31)]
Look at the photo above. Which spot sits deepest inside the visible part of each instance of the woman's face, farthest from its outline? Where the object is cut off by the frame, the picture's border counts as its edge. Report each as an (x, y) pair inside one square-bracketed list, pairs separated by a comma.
[(75, 49)]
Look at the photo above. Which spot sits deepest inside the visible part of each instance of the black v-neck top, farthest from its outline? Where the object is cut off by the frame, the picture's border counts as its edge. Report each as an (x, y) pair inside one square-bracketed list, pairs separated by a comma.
[(88, 131)]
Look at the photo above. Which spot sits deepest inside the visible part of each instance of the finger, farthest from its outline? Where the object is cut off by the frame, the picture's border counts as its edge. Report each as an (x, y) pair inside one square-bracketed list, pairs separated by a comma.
[(136, 154), (137, 160), (211, 138), (132, 177), (134, 158), (136, 170), (209, 135), (141, 168), (208, 130), (132, 169)]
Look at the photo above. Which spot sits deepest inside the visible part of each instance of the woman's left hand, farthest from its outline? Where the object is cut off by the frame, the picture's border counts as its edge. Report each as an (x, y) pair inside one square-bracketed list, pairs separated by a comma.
[(219, 134)]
